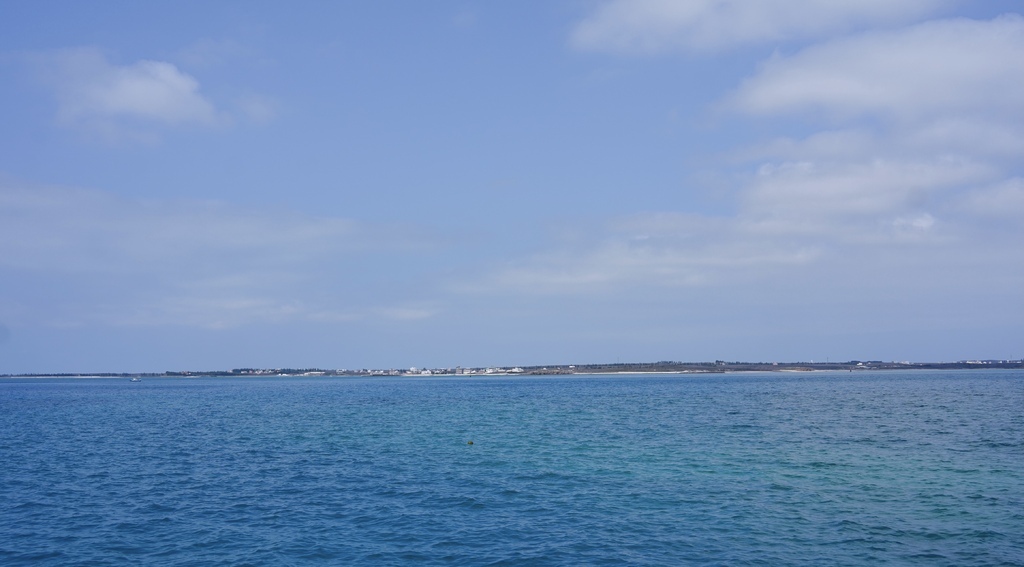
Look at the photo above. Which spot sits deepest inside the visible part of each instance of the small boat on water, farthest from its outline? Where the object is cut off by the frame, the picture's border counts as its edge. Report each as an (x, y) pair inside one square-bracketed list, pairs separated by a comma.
[(136, 379)]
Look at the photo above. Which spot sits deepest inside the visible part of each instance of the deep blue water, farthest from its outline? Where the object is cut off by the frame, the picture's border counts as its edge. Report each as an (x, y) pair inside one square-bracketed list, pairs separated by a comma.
[(897, 468)]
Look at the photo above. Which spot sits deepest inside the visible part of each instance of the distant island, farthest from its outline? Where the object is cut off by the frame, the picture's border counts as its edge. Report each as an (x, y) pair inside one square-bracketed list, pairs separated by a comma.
[(664, 367)]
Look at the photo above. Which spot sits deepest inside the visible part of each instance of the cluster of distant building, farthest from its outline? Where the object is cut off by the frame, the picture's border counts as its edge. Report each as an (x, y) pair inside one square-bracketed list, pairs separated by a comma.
[(664, 366), (457, 371), (413, 371)]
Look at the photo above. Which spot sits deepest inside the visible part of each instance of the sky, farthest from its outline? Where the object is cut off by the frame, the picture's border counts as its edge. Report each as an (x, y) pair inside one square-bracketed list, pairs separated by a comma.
[(197, 185)]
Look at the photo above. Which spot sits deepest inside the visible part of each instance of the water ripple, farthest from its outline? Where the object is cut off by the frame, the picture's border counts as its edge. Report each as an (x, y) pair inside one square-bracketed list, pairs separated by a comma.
[(919, 468)]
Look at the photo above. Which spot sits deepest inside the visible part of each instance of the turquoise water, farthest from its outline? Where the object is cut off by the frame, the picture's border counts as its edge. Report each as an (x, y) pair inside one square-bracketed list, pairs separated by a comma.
[(897, 468)]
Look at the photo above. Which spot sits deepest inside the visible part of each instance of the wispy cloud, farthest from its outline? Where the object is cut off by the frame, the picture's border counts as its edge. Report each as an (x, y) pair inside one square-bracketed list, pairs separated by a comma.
[(406, 313), (660, 250), (813, 193), (257, 109), (927, 115), (207, 53), (130, 262), (123, 100), (79, 231), (920, 140), (943, 67), (1000, 200), (142, 100), (652, 26)]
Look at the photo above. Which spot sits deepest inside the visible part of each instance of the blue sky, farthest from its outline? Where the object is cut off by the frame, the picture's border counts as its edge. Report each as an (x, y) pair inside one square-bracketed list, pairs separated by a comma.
[(207, 185)]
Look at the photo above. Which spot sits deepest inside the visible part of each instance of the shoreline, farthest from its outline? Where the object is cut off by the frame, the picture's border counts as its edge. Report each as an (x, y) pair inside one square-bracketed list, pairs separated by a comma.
[(601, 370)]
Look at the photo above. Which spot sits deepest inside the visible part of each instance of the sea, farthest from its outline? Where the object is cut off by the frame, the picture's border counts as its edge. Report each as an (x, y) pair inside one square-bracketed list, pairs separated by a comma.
[(911, 467)]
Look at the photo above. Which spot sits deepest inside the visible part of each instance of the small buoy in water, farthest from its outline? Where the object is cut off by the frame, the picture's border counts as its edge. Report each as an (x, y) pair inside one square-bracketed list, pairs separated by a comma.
[(469, 443)]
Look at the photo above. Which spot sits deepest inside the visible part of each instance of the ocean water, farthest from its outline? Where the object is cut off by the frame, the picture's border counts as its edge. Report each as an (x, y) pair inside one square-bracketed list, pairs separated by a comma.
[(869, 468)]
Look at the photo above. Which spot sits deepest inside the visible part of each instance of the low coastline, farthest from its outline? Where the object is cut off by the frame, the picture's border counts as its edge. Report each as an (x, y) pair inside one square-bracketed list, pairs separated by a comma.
[(664, 367)]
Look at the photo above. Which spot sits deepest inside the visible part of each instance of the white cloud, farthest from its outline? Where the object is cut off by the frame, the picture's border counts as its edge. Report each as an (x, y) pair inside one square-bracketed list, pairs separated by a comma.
[(923, 123), (851, 237), (795, 224), (199, 311), (1004, 199), (207, 53), (129, 262), (798, 193), (793, 219), (931, 132), (80, 231), (999, 136), (653, 249), (938, 90), (961, 135), (124, 100), (651, 26), (258, 109), (406, 313), (937, 68), (917, 223), (928, 114), (825, 145)]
